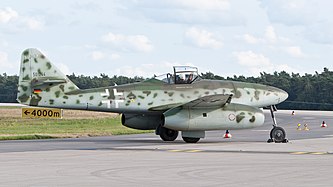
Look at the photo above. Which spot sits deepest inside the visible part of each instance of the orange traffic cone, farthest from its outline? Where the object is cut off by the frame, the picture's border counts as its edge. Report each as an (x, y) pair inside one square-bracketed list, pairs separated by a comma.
[(323, 124), (227, 134)]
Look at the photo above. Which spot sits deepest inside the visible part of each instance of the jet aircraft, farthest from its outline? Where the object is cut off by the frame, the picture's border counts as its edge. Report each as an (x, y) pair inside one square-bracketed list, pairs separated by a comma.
[(178, 101)]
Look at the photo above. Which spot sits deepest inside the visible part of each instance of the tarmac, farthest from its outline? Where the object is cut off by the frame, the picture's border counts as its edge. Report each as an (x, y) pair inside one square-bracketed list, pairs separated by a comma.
[(145, 160)]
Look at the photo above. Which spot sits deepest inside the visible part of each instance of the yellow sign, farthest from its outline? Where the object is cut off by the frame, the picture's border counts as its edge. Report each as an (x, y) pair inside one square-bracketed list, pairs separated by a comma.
[(42, 113)]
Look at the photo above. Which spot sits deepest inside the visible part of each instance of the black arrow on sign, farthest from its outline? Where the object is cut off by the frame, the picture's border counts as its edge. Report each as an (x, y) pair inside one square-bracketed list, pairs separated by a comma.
[(26, 112)]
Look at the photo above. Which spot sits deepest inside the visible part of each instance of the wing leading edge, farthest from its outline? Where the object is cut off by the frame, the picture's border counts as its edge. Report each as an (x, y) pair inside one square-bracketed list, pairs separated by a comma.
[(217, 100)]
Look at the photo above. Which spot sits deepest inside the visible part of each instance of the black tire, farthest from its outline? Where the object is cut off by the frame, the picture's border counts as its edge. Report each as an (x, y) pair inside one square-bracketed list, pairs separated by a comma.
[(278, 134), (168, 134), (191, 140)]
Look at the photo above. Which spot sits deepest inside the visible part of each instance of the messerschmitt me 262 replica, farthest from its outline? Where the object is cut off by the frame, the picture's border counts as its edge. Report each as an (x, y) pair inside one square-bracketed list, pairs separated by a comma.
[(173, 102)]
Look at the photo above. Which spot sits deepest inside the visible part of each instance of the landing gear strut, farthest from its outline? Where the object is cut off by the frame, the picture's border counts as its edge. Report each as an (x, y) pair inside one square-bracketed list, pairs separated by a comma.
[(277, 134)]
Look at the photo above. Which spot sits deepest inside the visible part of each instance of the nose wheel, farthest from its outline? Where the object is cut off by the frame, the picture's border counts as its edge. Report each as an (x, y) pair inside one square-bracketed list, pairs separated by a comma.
[(277, 134)]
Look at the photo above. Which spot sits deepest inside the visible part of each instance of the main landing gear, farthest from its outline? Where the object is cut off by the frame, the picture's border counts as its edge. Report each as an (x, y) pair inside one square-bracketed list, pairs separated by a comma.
[(170, 135), (190, 139), (277, 134), (167, 134)]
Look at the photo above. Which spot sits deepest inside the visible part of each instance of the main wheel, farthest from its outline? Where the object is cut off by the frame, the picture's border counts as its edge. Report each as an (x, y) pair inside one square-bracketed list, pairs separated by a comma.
[(168, 134), (278, 134), (191, 140)]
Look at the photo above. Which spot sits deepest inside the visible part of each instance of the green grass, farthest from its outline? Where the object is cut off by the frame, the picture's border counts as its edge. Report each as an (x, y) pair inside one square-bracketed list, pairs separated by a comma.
[(9, 107), (19, 128), (26, 137)]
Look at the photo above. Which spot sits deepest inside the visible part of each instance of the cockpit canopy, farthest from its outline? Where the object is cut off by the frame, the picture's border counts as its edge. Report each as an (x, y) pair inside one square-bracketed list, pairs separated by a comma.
[(181, 75)]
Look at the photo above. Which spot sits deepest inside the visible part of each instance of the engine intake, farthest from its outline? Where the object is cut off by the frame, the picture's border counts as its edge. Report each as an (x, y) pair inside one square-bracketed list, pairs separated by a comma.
[(141, 121)]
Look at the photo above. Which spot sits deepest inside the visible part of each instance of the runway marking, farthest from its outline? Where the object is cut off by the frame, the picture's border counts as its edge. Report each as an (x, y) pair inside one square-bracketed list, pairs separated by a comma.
[(310, 153), (318, 153), (214, 151), (298, 153), (193, 151), (175, 150)]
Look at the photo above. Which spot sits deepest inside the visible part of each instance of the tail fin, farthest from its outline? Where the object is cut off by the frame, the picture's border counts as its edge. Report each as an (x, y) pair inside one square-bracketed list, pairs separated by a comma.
[(40, 82)]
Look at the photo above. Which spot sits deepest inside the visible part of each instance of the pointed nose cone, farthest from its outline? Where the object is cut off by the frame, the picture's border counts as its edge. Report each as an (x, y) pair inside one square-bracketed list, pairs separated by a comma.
[(282, 95)]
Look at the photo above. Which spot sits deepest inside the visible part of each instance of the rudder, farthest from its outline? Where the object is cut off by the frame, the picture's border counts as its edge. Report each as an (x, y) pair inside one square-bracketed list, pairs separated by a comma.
[(40, 82)]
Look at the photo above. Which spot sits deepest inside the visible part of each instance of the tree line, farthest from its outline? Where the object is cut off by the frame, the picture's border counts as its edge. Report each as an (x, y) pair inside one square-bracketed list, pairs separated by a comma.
[(309, 91)]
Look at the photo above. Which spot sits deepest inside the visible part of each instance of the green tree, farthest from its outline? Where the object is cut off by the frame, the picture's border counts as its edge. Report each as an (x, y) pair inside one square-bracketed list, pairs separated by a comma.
[(305, 91)]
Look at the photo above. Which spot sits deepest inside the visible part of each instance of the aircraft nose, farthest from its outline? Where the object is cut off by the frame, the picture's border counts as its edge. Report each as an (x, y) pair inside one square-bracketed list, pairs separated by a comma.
[(282, 95)]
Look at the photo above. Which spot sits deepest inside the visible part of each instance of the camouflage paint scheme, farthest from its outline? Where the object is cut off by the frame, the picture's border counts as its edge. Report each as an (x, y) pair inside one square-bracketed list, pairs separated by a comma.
[(151, 97)]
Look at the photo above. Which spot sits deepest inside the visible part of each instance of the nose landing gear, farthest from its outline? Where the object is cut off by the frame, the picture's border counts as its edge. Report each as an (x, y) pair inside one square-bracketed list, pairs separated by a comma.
[(277, 134)]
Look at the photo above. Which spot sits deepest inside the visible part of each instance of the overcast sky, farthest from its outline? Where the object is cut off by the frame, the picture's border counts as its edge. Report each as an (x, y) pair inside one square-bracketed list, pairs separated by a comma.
[(146, 37)]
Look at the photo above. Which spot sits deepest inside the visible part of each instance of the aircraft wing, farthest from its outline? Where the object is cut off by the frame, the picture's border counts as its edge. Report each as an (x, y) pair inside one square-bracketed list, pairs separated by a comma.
[(206, 101), (165, 107), (209, 101)]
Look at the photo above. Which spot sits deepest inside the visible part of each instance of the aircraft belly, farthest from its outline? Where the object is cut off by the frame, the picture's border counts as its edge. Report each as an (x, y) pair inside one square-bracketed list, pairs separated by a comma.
[(232, 116), (223, 120)]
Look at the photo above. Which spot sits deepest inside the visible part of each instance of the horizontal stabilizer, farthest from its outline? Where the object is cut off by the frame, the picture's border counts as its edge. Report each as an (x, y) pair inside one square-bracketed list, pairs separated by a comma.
[(40, 81)]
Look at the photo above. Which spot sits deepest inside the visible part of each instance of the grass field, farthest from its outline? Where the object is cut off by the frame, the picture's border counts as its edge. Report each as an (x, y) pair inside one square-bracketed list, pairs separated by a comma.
[(74, 124)]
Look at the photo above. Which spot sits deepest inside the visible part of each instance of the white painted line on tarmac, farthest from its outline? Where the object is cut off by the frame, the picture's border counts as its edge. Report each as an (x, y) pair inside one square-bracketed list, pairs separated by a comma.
[(11, 104)]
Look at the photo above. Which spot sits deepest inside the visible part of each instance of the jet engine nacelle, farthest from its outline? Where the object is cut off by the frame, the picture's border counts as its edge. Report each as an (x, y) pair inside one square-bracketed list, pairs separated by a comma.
[(141, 121), (231, 116)]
